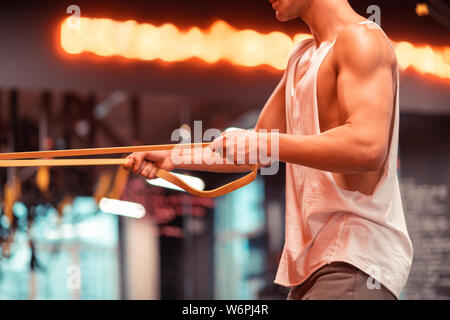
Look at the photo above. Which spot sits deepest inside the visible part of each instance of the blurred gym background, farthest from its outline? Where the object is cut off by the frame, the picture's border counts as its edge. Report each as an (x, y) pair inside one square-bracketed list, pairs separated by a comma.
[(145, 69)]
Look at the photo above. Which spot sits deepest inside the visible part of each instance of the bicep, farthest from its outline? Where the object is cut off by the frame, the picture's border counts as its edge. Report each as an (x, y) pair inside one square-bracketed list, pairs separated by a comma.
[(366, 96)]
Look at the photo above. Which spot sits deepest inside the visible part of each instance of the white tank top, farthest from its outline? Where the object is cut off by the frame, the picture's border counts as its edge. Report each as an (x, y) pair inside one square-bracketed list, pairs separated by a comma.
[(324, 222)]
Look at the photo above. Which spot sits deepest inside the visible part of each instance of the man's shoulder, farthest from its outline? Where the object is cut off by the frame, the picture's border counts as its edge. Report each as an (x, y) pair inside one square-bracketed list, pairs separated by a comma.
[(364, 45)]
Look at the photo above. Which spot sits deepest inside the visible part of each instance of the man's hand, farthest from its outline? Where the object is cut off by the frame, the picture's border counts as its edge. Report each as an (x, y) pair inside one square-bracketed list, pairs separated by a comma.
[(243, 147), (147, 163)]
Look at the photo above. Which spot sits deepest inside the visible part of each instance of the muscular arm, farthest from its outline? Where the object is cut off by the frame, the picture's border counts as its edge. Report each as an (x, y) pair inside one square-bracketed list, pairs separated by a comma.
[(273, 115), (365, 67)]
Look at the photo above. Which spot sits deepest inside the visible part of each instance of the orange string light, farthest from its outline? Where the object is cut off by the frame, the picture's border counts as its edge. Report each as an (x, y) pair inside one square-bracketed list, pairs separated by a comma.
[(248, 48)]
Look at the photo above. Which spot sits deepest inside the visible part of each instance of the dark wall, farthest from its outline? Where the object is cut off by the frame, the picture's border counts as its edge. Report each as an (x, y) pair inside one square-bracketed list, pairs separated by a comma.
[(425, 185), (187, 263)]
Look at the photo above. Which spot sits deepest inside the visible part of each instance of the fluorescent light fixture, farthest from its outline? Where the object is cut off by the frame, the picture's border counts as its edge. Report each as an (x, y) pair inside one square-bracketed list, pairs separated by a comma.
[(194, 182), (231, 129), (122, 208)]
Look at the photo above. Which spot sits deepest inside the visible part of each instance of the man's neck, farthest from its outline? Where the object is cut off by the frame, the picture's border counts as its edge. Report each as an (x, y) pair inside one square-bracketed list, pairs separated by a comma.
[(326, 18)]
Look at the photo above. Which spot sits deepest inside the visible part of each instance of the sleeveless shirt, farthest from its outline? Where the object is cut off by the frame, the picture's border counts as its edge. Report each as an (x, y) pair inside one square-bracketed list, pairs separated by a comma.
[(326, 223)]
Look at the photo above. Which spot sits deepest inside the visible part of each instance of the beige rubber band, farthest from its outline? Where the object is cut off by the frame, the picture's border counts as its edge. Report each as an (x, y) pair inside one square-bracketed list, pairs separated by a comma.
[(61, 162), (96, 151), (22, 159)]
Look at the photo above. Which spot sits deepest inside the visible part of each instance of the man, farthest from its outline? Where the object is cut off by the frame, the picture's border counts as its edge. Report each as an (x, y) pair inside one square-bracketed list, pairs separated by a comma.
[(337, 112)]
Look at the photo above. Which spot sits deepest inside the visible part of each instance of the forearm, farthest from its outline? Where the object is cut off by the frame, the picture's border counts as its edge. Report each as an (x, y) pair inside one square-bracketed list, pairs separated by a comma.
[(343, 149), (338, 150)]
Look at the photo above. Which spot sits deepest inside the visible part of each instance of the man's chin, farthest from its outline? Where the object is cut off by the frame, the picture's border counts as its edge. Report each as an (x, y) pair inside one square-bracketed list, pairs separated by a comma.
[(282, 17)]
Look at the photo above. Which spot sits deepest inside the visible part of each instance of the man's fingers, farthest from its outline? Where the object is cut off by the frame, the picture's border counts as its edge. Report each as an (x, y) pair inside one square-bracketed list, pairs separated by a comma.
[(144, 163), (226, 146), (222, 148), (129, 163), (138, 158), (148, 170), (217, 144), (153, 172)]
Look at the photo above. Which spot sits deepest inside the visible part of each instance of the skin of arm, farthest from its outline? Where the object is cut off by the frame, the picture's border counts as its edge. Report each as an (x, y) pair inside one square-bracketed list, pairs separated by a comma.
[(273, 115)]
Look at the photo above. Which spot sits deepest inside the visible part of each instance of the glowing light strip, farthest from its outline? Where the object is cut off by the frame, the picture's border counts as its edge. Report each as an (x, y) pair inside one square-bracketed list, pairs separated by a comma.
[(194, 182), (424, 59), (248, 48), (123, 208)]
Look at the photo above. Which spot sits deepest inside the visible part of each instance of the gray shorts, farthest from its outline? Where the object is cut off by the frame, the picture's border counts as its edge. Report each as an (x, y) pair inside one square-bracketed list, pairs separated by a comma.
[(338, 281)]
